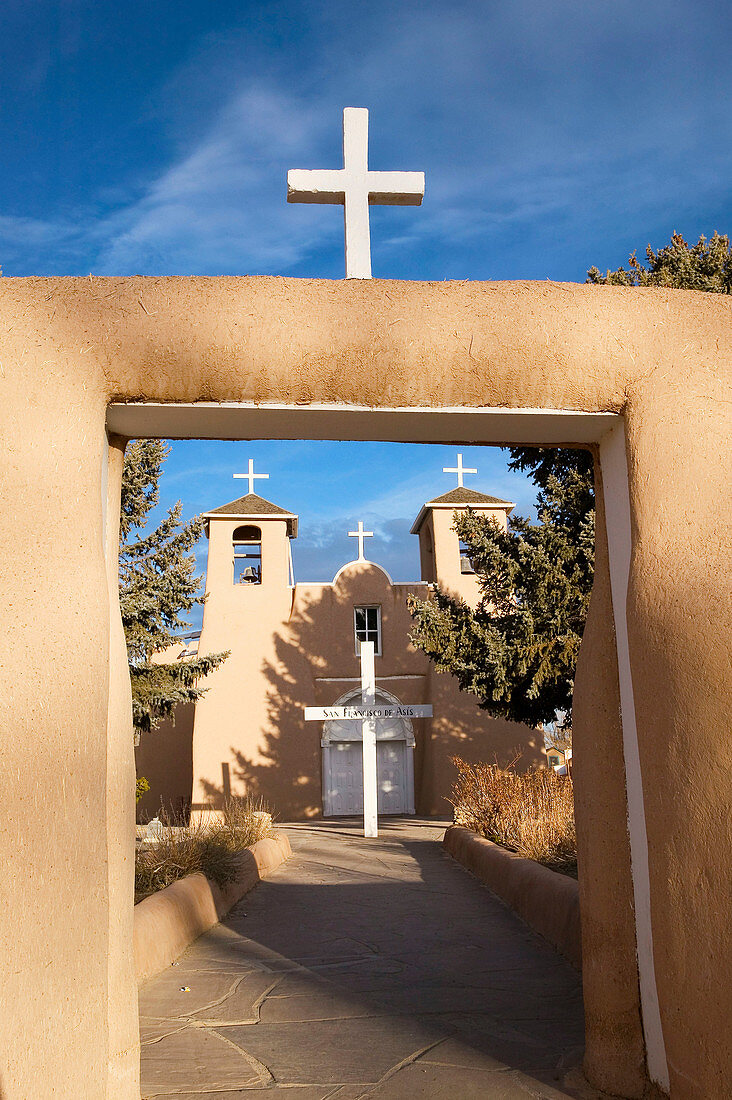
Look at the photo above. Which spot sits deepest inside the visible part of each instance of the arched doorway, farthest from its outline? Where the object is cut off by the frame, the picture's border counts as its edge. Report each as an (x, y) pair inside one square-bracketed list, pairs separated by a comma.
[(343, 761)]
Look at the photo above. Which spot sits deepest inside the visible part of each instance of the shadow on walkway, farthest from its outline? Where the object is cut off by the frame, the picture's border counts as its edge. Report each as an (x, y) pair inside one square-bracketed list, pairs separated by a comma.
[(374, 968)]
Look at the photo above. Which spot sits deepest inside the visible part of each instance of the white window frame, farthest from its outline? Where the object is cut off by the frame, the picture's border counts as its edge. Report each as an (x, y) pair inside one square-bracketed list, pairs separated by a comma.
[(357, 641)]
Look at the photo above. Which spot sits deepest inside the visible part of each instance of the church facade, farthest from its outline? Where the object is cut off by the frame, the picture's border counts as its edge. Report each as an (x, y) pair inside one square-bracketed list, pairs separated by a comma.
[(294, 645)]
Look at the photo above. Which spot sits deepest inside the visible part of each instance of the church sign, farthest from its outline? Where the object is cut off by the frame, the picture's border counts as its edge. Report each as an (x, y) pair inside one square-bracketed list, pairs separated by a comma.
[(325, 714)]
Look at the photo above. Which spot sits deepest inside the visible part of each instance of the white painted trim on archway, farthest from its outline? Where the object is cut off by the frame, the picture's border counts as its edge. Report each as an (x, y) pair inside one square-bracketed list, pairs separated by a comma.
[(459, 424), (105, 488), (614, 466), (418, 424)]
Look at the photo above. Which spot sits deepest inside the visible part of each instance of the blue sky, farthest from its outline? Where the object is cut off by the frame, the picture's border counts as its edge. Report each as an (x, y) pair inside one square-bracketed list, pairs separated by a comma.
[(152, 139), (332, 486), (144, 138)]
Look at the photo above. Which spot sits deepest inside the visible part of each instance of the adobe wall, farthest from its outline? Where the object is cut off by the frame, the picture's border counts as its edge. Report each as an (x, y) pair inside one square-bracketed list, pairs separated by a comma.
[(69, 346), (234, 728), (165, 758), (613, 1031)]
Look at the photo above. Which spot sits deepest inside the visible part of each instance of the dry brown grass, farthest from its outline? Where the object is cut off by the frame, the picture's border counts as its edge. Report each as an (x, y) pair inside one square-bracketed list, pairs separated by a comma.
[(209, 846), (530, 812)]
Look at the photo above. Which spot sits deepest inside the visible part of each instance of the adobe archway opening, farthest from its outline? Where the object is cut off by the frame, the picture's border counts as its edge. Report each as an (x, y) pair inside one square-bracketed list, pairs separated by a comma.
[(621, 949), (72, 347)]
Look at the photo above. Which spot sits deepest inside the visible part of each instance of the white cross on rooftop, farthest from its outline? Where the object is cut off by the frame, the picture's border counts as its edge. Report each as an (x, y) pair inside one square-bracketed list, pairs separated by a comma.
[(355, 188), (459, 470), (360, 535), (250, 476)]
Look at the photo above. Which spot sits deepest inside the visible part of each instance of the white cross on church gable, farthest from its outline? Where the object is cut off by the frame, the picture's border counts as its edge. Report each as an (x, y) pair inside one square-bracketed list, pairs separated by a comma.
[(360, 534), (356, 188)]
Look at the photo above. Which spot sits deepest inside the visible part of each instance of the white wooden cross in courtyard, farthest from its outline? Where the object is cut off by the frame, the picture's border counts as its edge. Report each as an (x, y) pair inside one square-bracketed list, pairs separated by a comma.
[(368, 713), (355, 188), (460, 470), (251, 476), (360, 535)]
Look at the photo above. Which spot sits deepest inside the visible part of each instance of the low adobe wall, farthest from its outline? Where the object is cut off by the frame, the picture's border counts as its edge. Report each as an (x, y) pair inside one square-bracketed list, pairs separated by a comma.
[(167, 922), (547, 901)]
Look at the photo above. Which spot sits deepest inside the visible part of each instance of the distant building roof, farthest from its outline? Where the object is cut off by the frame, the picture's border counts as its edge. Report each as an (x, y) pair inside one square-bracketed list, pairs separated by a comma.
[(461, 496), (252, 506)]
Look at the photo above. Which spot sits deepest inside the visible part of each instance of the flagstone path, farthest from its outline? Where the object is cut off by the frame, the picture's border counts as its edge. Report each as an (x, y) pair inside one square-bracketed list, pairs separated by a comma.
[(365, 968)]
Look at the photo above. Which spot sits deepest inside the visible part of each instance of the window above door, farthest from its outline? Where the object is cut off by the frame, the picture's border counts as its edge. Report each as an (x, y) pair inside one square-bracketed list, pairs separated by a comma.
[(367, 627)]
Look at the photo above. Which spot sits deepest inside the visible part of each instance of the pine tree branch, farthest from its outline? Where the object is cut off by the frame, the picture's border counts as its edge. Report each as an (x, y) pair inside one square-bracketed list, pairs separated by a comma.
[(158, 587)]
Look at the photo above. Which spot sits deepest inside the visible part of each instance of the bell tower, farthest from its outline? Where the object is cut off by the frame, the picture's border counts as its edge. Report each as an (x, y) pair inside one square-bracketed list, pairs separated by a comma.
[(443, 558), (249, 593), (249, 555)]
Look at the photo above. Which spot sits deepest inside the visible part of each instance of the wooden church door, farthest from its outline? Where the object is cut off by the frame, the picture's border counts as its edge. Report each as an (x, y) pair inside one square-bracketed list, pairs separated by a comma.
[(391, 770), (343, 762), (343, 778), (345, 784)]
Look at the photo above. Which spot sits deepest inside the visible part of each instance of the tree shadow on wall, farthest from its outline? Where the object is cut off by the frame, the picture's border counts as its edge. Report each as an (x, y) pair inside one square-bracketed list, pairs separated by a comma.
[(164, 757), (313, 663), (286, 772)]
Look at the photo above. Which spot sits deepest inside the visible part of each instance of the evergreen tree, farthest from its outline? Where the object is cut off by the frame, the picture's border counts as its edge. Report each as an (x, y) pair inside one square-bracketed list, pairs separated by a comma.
[(707, 265), (517, 651), (157, 587)]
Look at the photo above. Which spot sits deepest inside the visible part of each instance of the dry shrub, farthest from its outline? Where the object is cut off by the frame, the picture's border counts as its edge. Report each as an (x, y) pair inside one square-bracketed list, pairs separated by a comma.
[(531, 812), (246, 821), (210, 846)]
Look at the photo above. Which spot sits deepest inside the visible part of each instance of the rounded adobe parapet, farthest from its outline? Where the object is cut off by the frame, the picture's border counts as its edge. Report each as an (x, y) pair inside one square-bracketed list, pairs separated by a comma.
[(361, 562)]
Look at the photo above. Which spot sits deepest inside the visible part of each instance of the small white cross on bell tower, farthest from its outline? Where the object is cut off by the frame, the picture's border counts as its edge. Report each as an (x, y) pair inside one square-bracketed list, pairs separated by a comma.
[(251, 476), (460, 470), (356, 188)]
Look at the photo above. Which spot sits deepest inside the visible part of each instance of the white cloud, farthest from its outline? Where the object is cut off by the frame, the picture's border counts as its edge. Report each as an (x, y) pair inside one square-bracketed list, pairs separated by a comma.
[(35, 231), (221, 206)]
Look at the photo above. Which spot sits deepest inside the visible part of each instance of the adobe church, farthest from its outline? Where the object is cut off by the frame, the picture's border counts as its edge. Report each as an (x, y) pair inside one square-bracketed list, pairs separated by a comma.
[(295, 645)]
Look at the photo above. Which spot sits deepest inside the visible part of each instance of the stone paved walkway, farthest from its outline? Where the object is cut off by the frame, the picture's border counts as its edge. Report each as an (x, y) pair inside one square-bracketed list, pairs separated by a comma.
[(364, 969)]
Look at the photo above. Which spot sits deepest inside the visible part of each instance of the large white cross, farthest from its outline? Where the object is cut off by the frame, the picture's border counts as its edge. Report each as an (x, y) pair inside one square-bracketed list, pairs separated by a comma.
[(250, 477), (360, 535), (459, 470), (368, 714), (355, 188)]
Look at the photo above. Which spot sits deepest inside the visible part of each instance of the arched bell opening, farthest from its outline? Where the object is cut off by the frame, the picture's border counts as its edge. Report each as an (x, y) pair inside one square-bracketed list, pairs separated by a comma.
[(247, 541)]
